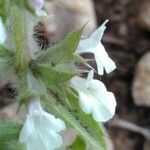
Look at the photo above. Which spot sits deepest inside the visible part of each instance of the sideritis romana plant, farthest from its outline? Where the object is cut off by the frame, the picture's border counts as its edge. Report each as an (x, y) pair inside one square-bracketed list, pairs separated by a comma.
[(50, 81)]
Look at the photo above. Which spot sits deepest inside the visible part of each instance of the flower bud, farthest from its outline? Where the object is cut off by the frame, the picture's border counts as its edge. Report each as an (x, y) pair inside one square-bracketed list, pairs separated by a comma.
[(36, 4)]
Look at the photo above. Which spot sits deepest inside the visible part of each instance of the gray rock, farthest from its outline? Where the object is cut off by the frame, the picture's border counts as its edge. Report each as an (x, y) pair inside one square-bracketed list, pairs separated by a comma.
[(147, 145), (144, 16), (67, 15), (141, 83)]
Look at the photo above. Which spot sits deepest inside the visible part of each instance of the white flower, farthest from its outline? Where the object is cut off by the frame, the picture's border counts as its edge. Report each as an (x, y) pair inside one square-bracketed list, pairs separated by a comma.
[(41, 130), (93, 44), (94, 98), (2, 32), (36, 4), (40, 13)]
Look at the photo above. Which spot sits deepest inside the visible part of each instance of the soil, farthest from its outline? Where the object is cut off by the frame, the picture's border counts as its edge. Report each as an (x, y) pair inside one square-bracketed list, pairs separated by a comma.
[(127, 40)]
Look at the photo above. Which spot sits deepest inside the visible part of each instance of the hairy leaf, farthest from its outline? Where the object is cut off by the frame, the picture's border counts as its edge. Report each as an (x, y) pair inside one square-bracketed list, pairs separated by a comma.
[(90, 130), (29, 86), (58, 74), (7, 61), (62, 51), (12, 145), (4, 52), (9, 131), (3, 9)]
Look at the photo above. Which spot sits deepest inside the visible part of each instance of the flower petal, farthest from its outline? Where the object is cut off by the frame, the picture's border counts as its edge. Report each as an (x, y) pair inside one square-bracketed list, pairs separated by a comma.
[(27, 130), (2, 32), (41, 130), (109, 65), (104, 107), (55, 124), (89, 78), (112, 103), (96, 87), (78, 83), (40, 13), (103, 61), (89, 44), (94, 98), (36, 4), (93, 45), (97, 112), (57, 140), (85, 102), (99, 32)]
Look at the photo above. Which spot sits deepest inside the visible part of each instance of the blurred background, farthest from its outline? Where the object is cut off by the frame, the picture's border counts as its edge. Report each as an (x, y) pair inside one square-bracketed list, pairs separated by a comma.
[(127, 40)]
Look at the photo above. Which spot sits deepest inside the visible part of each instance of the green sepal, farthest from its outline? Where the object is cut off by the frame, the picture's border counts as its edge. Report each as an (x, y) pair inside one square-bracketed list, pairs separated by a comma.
[(4, 7), (9, 135), (7, 61), (12, 145), (9, 131), (19, 3), (63, 51), (29, 87), (57, 74)]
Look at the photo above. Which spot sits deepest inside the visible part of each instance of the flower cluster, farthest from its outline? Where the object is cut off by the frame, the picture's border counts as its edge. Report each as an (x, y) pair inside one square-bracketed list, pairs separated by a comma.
[(93, 98), (41, 130)]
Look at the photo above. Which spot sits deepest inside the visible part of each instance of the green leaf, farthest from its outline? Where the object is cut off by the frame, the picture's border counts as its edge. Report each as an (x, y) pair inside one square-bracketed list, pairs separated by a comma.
[(95, 129), (3, 9), (9, 131), (57, 65), (29, 87), (4, 52), (19, 3), (66, 67), (7, 61), (58, 74), (63, 50), (79, 144), (34, 85), (12, 145), (9, 135), (73, 116)]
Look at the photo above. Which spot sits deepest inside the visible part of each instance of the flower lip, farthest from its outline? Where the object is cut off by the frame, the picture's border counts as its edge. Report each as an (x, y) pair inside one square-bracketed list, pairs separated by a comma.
[(94, 98)]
